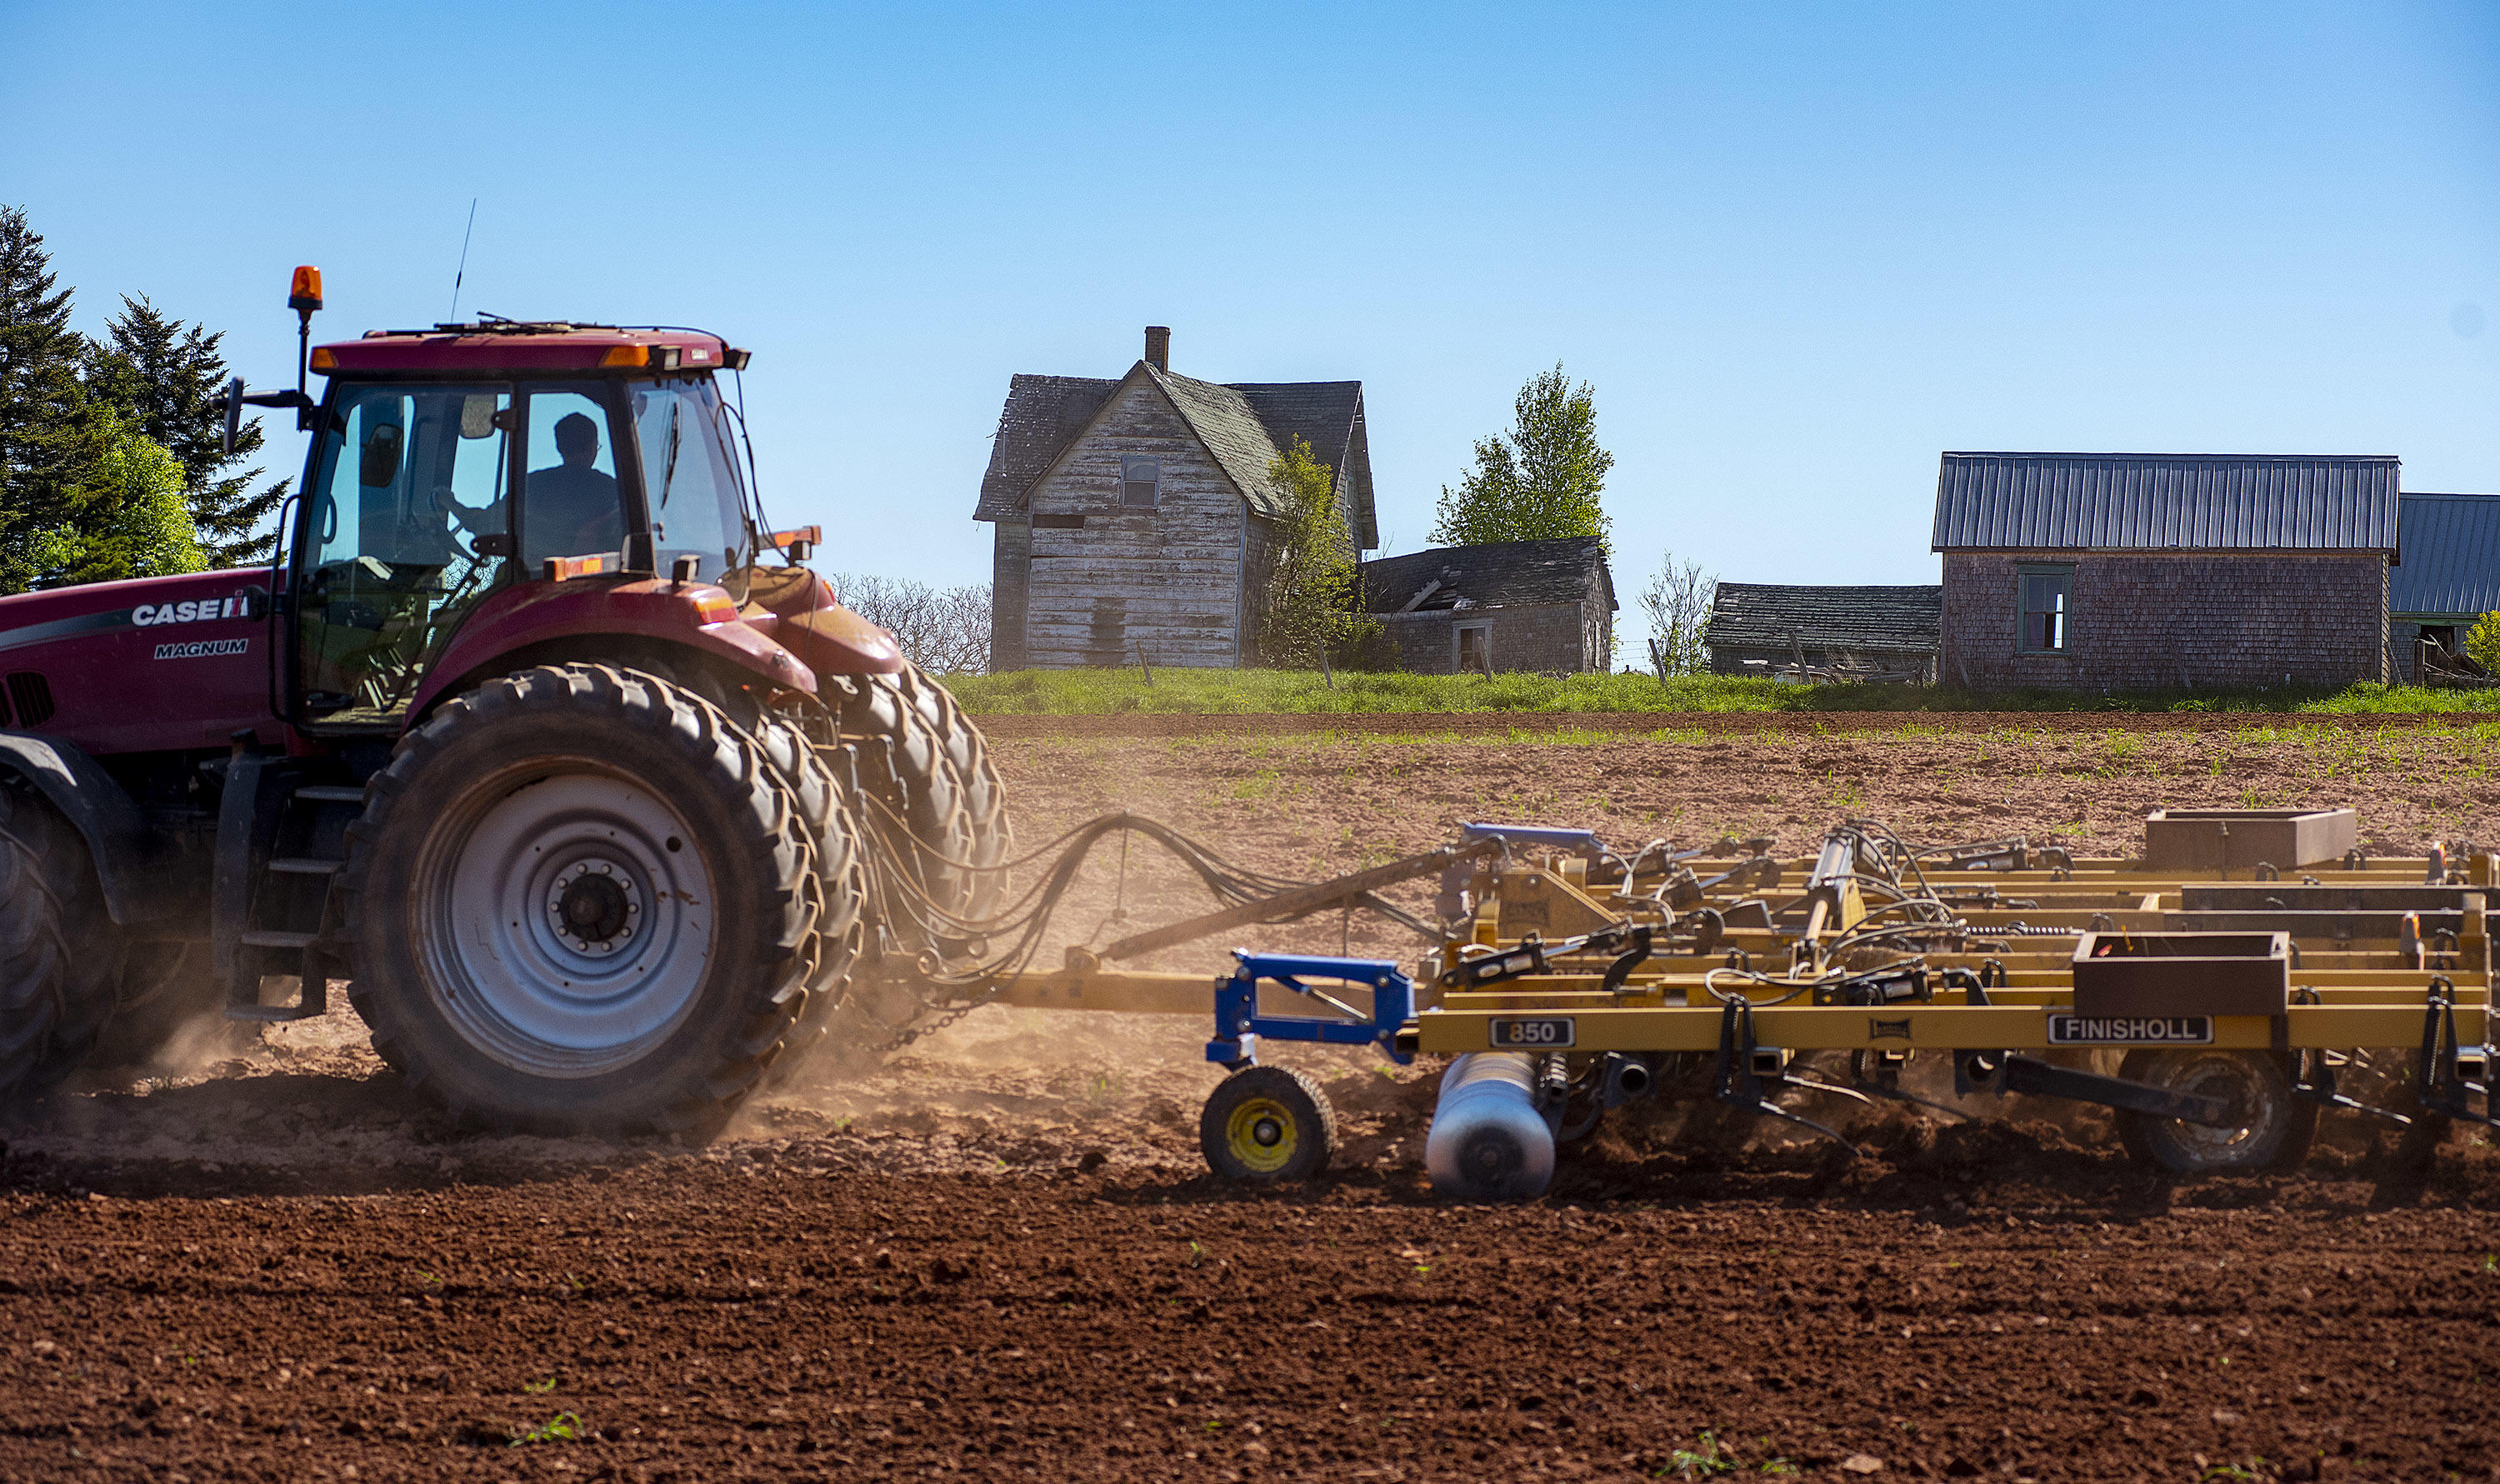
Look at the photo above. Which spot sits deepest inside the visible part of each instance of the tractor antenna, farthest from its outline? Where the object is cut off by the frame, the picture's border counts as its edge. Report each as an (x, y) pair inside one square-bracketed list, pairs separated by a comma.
[(462, 271)]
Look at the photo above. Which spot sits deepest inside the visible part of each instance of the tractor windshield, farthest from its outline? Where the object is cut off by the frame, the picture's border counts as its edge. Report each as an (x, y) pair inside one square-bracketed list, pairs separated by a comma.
[(689, 481), (406, 481)]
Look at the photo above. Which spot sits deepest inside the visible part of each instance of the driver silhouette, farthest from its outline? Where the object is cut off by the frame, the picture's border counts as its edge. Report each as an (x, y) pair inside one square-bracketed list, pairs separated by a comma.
[(571, 507)]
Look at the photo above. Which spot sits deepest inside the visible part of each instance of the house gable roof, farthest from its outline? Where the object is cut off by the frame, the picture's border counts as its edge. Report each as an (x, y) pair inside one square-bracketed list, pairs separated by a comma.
[(2164, 502), (1242, 427), (1762, 615), (1509, 573), (2454, 542)]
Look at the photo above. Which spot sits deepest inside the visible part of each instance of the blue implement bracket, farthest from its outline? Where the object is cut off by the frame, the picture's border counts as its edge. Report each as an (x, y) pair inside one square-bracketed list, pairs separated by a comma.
[(1238, 1025)]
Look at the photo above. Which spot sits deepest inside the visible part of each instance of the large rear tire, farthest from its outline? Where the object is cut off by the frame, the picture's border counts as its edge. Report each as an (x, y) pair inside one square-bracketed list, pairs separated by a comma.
[(581, 900), (928, 765), (841, 878), (936, 813)]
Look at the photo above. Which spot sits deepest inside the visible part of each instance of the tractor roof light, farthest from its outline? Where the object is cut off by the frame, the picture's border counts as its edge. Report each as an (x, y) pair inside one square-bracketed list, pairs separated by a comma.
[(304, 292), (323, 361)]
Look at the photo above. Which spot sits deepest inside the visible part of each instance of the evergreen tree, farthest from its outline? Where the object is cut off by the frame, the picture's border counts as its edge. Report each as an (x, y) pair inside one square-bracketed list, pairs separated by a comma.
[(47, 430), (1540, 483), (168, 379)]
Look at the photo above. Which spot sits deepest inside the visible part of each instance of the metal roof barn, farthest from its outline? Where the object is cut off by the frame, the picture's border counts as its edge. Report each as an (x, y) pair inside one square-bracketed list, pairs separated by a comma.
[(2455, 567), (2165, 501)]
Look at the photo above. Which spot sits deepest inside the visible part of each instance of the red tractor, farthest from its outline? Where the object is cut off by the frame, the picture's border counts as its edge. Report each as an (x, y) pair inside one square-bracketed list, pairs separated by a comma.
[(519, 735)]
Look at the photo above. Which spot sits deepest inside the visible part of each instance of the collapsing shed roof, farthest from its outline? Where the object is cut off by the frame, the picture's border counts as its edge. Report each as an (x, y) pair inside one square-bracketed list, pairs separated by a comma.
[(1873, 620), (2455, 568), (2165, 501), (1506, 574)]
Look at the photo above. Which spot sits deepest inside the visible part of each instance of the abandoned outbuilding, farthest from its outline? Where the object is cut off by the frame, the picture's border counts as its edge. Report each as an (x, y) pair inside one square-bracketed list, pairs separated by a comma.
[(1135, 518), (1757, 627), (2146, 570), (1514, 605), (2451, 575)]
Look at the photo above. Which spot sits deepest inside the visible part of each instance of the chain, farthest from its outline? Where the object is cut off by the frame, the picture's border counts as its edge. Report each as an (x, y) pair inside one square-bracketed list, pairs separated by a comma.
[(946, 1018)]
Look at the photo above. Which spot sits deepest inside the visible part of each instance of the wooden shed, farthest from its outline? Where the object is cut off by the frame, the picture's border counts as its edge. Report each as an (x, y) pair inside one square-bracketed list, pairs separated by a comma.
[(1757, 628), (1514, 605), (1134, 518)]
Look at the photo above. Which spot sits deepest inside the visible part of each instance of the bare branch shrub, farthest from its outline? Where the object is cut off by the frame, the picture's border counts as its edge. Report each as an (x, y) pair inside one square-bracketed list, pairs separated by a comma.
[(1677, 602), (943, 630)]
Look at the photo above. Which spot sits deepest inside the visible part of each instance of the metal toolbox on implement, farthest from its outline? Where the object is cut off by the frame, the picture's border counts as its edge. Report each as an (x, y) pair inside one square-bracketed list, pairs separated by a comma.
[(2120, 975)]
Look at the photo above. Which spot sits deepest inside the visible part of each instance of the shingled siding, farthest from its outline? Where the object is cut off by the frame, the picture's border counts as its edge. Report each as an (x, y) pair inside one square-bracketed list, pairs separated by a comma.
[(1010, 580), (1169, 577), (2161, 619), (1557, 636)]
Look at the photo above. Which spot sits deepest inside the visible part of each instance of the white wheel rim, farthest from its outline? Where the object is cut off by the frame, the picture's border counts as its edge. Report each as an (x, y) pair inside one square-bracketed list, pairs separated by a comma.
[(565, 919)]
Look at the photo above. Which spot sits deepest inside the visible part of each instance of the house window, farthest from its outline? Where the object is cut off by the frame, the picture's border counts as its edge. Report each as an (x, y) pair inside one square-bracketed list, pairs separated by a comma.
[(2047, 601), (1475, 649), (1142, 478)]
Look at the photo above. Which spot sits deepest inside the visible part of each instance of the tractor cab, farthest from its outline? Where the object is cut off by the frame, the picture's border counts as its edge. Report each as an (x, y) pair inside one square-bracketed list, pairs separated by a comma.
[(451, 464)]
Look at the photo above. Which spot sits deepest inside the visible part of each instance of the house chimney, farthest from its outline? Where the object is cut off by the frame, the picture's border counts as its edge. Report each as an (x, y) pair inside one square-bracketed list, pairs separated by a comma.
[(1159, 345)]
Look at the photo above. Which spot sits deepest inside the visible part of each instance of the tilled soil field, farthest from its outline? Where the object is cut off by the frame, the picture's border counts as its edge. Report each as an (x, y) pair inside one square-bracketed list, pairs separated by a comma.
[(997, 1255)]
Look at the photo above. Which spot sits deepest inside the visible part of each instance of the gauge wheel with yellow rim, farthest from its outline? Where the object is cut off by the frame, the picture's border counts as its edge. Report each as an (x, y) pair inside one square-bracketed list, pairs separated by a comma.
[(1264, 1124)]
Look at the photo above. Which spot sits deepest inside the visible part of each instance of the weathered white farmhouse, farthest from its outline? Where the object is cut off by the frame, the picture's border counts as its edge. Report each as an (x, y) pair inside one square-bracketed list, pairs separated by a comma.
[(1135, 517)]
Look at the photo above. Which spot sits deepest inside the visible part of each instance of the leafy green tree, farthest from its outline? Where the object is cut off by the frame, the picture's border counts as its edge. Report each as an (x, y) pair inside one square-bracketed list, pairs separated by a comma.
[(168, 379), (47, 433), (1306, 612), (131, 517), (2482, 643), (1538, 483)]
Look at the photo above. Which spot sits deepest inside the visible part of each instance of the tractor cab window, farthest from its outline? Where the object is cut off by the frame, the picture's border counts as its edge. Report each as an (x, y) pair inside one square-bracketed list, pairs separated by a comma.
[(689, 481), (570, 504), (389, 558)]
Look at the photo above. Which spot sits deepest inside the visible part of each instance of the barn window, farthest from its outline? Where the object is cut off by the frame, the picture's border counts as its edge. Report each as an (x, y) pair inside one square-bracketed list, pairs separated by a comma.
[(1142, 478), (2047, 601), (1475, 650)]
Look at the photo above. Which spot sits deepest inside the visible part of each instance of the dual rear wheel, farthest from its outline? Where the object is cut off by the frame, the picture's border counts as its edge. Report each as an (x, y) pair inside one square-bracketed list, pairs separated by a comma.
[(583, 898)]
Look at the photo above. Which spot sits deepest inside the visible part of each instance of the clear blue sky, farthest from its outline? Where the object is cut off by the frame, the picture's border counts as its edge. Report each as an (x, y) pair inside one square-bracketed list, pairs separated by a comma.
[(1799, 250)]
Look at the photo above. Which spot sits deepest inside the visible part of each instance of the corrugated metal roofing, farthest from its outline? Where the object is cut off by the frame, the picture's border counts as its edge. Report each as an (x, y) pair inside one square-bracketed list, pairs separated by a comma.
[(2452, 557), (1875, 620), (2165, 501)]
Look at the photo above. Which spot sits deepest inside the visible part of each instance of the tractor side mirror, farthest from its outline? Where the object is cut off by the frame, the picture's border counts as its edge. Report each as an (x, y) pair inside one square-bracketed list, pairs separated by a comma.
[(234, 416)]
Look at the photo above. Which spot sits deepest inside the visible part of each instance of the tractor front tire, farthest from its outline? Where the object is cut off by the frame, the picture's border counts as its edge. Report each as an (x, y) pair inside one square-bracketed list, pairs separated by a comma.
[(59, 954), (581, 900)]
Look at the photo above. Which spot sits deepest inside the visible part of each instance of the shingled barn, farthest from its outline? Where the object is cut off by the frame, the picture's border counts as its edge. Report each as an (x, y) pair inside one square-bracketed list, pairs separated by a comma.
[(1515, 604), (2187, 569), (1760, 627), (1135, 518), (2450, 578)]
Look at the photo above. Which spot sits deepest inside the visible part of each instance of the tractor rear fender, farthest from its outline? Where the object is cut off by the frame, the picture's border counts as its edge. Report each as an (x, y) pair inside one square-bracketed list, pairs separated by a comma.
[(103, 812), (537, 619)]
